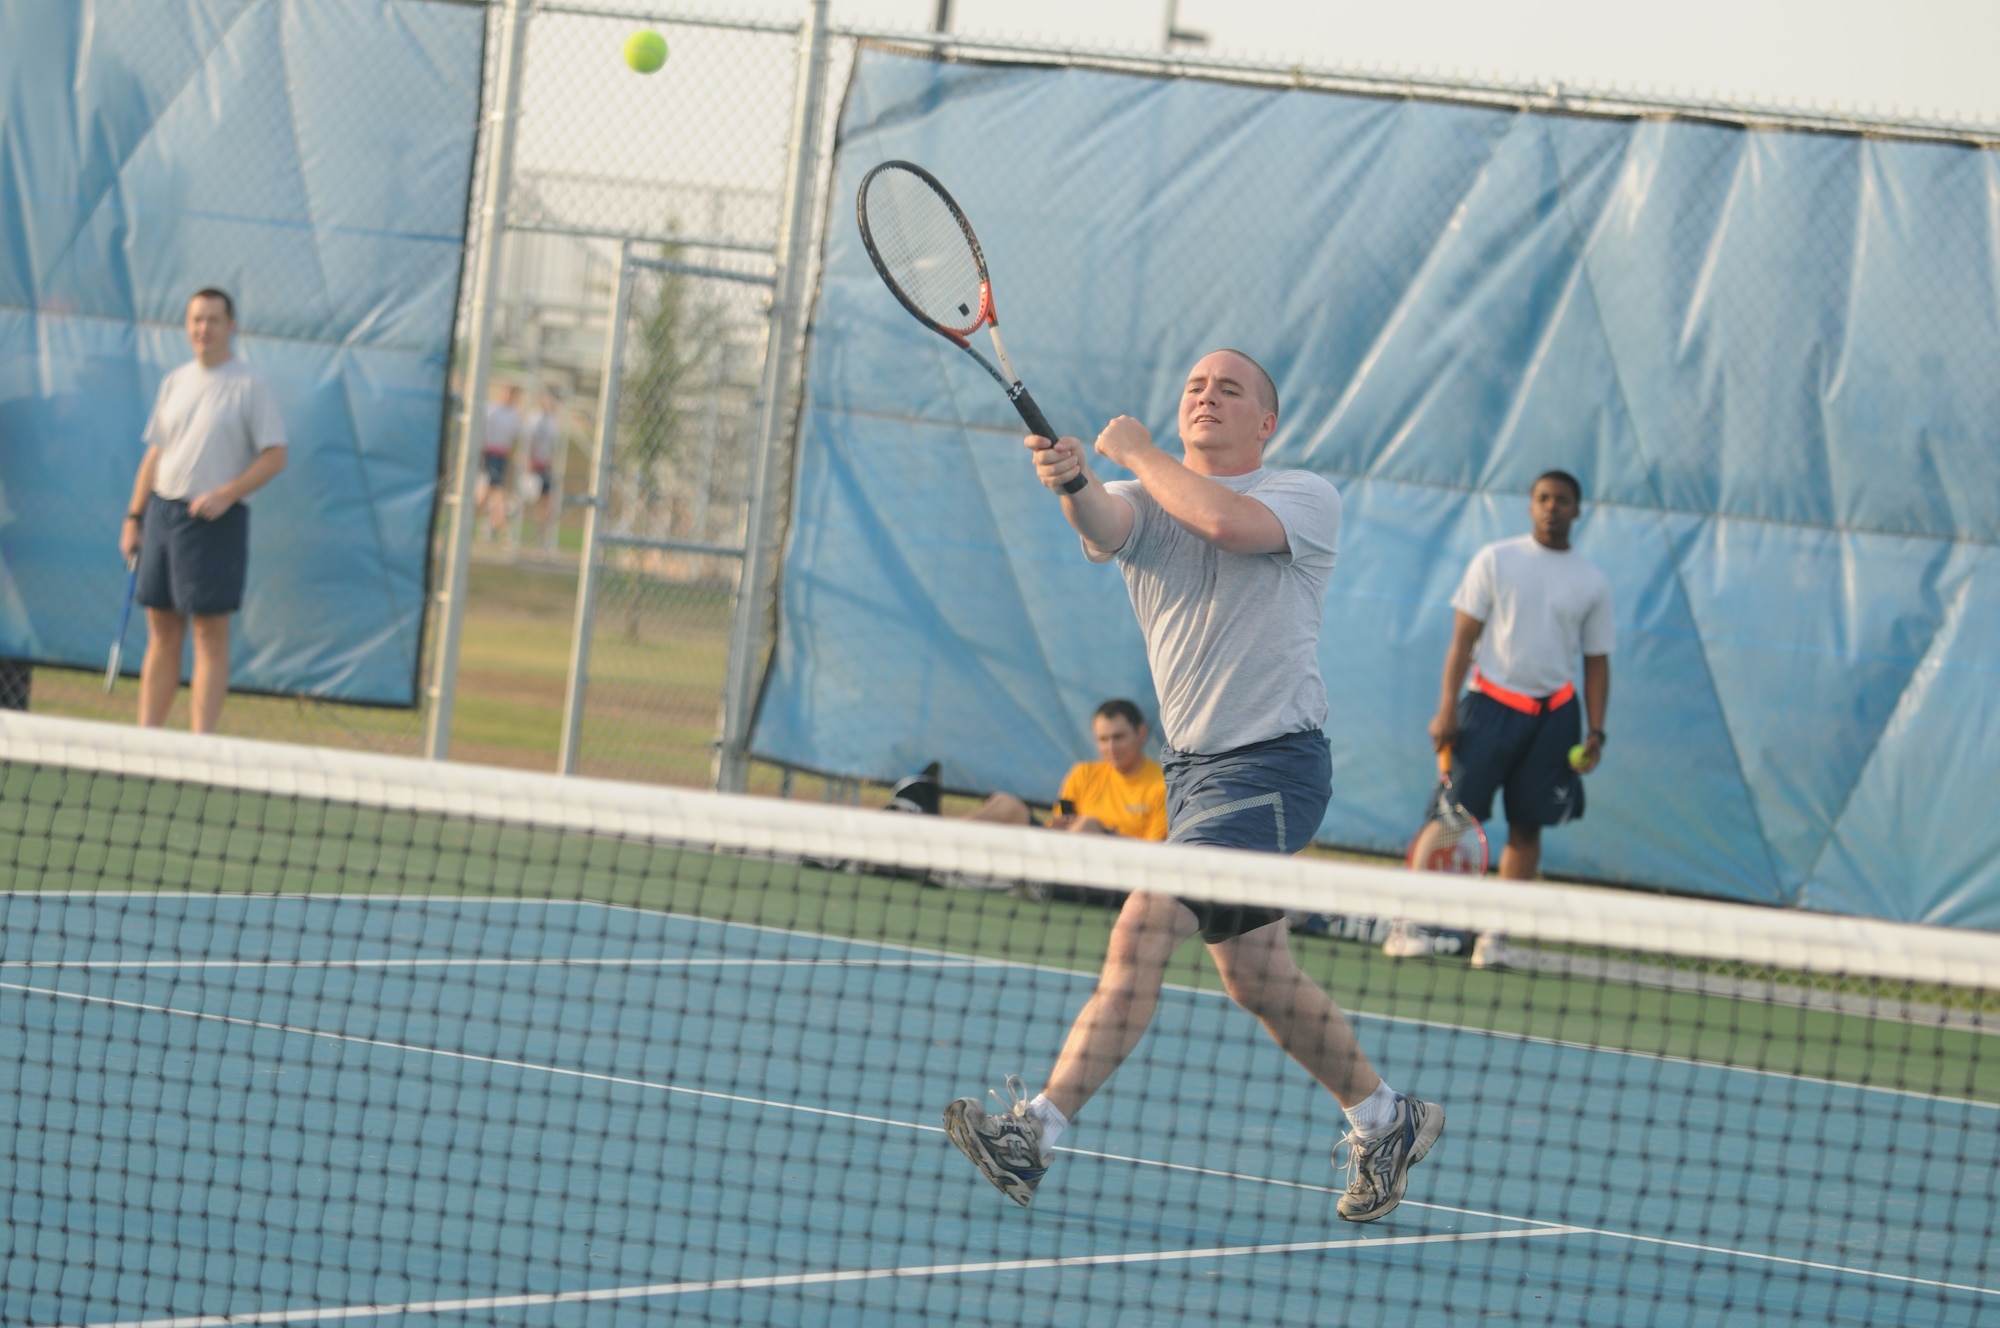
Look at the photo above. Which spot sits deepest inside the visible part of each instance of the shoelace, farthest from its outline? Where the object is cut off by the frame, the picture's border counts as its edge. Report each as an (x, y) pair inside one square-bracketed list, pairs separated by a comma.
[(1017, 1092), (1359, 1148), (1355, 1146)]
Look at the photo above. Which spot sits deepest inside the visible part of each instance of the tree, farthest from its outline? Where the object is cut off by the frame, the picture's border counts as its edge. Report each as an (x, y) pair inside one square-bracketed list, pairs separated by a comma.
[(658, 434)]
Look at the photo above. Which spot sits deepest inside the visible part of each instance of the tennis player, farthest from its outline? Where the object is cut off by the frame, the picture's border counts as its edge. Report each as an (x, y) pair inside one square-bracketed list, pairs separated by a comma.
[(1226, 564), (214, 438), (1527, 608)]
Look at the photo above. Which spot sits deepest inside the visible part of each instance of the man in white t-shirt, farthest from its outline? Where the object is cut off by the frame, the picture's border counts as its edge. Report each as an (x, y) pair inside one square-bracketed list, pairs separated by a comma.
[(215, 437), (1226, 564), (496, 453), (1527, 609)]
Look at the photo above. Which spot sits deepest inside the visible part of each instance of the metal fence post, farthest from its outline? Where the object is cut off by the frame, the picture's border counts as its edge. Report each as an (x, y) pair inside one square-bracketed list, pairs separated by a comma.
[(747, 634), (593, 508), (492, 229)]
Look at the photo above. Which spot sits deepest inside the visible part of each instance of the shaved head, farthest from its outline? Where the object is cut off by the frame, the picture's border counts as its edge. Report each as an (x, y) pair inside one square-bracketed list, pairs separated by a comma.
[(1267, 391)]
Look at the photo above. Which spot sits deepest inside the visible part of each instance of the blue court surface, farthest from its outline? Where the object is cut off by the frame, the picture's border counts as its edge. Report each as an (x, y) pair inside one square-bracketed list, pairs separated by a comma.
[(310, 1110)]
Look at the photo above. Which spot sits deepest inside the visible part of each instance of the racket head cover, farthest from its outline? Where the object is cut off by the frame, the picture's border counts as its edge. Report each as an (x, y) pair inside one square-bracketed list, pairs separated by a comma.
[(924, 248)]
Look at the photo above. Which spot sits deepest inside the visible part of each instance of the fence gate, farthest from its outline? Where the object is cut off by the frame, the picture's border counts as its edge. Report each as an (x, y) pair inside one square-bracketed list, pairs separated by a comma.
[(672, 464)]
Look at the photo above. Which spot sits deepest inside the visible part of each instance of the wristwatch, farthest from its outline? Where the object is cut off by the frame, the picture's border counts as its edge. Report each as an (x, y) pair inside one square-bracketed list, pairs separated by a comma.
[(1599, 735)]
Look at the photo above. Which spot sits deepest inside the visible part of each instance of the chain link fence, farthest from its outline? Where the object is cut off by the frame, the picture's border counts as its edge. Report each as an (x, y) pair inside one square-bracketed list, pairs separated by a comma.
[(668, 550), (686, 171)]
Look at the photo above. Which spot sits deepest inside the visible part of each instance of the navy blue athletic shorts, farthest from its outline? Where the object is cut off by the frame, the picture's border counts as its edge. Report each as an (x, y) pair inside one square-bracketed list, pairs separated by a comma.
[(1500, 748), (190, 565), (1268, 797), (496, 467)]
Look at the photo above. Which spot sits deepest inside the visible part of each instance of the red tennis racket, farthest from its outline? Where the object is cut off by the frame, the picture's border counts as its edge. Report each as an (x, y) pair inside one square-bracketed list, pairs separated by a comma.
[(928, 257), (1450, 839)]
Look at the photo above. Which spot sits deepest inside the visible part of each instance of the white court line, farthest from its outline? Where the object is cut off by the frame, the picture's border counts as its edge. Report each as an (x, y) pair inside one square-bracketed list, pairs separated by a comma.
[(1072, 973), (201, 964), (829, 1278), (557, 1071), (827, 1112)]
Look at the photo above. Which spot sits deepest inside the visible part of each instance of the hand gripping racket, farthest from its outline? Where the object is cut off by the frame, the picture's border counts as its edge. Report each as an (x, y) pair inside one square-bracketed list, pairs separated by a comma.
[(930, 260), (124, 621), (1450, 840)]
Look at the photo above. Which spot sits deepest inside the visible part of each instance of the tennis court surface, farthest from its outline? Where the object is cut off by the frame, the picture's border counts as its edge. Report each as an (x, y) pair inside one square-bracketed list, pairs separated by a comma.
[(300, 1037)]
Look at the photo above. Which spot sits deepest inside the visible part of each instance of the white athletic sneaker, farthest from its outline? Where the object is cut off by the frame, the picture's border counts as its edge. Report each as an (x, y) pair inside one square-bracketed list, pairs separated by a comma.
[(1378, 1169), (1406, 940), (1006, 1148), (1489, 950)]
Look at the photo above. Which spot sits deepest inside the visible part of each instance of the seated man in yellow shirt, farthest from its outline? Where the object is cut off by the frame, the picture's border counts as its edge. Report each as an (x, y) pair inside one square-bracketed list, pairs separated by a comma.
[(1122, 794)]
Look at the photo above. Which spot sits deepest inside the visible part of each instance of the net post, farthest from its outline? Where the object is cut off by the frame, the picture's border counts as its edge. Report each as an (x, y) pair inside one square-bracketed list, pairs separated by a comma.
[(586, 571), (783, 332), (492, 229)]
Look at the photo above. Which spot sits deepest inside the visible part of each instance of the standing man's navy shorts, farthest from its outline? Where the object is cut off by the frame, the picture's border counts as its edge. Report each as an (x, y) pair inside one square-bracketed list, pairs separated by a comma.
[(190, 565), (1500, 748), (1268, 797)]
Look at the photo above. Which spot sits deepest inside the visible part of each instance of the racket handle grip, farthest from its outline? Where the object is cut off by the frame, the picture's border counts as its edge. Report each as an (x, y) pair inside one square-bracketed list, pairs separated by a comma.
[(1038, 424), (1444, 760)]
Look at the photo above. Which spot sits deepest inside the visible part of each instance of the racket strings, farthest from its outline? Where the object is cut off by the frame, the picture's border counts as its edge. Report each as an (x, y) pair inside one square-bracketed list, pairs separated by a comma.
[(1451, 841), (924, 251)]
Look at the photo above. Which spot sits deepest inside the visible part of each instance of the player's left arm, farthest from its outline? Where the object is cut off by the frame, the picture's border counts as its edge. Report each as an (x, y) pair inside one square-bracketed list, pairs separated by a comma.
[(255, 476), (1596, 697), (1234, 522)]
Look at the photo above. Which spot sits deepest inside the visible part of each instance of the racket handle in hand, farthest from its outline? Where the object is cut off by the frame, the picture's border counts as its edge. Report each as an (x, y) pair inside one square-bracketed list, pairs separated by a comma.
[(1444, 760), (1038, 424)]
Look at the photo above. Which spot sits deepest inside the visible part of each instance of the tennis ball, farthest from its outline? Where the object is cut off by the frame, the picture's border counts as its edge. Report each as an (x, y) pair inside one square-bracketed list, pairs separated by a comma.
[(645, 51), (1579, 757)]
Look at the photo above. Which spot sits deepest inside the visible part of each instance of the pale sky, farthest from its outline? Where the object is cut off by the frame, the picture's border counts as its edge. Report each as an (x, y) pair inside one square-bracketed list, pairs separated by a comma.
[(1935, 58)]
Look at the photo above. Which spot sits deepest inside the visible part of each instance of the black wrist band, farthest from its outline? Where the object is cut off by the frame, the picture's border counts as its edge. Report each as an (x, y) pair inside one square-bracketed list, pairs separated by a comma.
[(1598, 734), (135, 516)]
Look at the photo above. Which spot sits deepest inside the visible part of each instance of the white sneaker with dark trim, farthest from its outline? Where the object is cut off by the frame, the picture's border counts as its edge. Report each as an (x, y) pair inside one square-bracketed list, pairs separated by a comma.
[(1378, 1169), (1006, 1148)]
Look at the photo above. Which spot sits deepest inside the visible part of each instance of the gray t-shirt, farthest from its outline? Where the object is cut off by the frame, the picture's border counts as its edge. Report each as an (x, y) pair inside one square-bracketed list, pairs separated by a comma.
[(209, 425), (1233, 638)]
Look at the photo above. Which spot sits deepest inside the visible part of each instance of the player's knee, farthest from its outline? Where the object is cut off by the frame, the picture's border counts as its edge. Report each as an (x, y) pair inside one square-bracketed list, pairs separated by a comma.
[(1149, 929), (1264, 992), (1006, 807), (1261, 981), (165, 629)]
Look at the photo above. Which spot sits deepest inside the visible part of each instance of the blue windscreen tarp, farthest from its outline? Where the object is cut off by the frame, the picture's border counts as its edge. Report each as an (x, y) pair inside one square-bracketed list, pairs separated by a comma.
[(312, 158), (1770, 357)]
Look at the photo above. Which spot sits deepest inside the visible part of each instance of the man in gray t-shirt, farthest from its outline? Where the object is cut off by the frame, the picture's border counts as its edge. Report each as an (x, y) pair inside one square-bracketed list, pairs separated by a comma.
[(215, 437), (1226, 563), (1233, 639)]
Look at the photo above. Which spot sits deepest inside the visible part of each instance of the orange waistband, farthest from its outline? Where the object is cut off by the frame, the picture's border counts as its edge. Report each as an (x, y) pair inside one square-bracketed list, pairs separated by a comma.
[(1521, 701)]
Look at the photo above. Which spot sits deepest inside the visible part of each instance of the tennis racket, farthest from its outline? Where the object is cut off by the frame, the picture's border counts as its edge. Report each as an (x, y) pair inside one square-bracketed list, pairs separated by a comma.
[(124, 621), (1450, 840), (931, 262)]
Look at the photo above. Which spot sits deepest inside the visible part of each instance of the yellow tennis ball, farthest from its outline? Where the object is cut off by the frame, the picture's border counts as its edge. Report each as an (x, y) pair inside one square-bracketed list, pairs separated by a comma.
[(645, 51), (1579, 757)]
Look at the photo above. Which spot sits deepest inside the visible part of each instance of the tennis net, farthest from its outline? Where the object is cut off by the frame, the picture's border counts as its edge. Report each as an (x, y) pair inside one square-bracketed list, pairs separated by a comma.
[(294, 1036)]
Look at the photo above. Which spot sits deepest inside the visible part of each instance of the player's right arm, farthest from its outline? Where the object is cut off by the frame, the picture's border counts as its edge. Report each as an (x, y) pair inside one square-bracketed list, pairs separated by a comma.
[(1099, 515), (1465, 630), (142, 489)]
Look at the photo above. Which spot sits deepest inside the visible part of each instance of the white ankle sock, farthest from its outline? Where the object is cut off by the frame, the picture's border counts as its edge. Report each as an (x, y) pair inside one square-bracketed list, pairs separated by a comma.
[(1375, 1113), (1052, 1120)]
